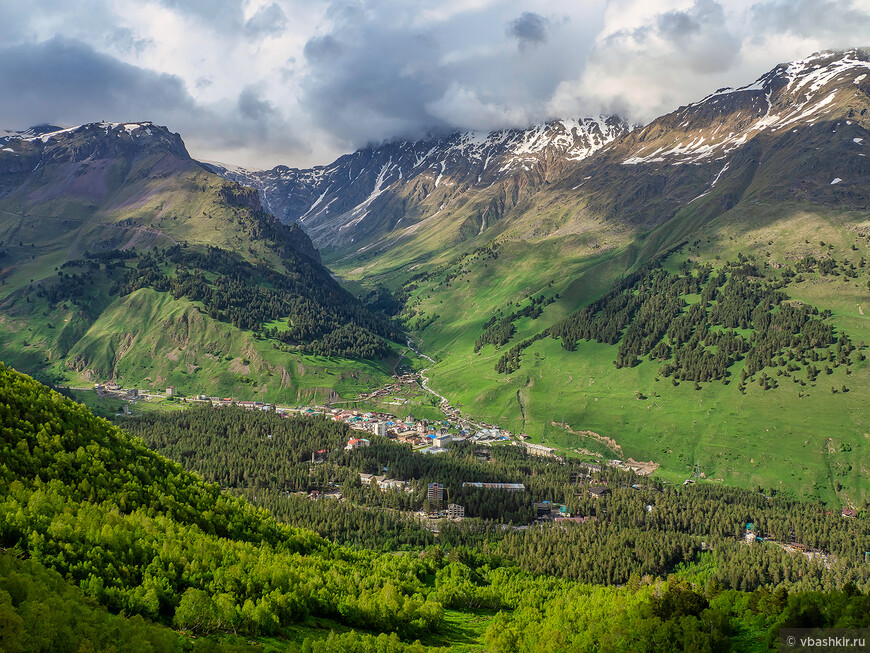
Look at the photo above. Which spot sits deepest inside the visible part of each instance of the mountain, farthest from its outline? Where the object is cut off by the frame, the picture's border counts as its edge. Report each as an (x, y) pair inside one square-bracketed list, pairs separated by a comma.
[(376, 189), (531, 290), (741, 143), (796, 134), (123, 258)]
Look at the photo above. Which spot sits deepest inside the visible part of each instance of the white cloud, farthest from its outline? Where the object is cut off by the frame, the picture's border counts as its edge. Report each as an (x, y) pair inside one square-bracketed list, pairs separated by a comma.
[(262, 82)]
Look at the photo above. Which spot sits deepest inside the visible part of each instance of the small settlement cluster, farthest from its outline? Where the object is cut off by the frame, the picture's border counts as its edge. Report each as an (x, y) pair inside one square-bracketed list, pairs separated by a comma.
[(425, 436)]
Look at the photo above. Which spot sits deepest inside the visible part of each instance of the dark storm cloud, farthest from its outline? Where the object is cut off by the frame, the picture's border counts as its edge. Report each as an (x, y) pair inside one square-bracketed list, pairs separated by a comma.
[(253, 107), (368, 84), (63, 80), (267, 21), (378, 74), (321, 48), (529, 29)]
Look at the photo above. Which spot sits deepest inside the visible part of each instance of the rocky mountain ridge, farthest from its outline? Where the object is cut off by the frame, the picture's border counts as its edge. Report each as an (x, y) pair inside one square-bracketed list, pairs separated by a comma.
[(756, 138), (332, 202)]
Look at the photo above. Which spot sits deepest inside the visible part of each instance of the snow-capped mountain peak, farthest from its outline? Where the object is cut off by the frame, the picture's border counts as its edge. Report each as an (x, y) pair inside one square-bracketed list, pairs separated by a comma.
[(816, 89), (341, 196)]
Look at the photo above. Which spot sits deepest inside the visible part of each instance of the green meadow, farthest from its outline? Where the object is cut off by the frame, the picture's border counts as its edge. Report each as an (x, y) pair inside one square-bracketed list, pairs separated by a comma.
[(813, 441)]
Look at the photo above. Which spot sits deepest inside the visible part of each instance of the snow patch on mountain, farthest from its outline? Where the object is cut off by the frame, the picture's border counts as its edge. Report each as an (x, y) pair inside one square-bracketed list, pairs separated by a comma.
[(799, 93)]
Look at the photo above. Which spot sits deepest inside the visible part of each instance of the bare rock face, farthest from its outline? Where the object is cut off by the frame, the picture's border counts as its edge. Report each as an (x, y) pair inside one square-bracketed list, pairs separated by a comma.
[(798, 133), (372, 190)]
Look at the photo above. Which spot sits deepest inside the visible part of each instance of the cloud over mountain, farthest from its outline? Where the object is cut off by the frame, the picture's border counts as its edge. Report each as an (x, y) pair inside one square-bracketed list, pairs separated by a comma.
[(262, 82)]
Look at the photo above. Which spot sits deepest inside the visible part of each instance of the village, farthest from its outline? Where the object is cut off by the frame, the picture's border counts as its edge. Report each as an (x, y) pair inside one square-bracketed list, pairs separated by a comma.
[(432, 436), (422, 435)]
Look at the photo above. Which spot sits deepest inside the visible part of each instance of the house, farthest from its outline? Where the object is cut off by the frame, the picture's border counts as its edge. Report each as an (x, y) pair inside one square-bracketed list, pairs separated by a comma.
[(356, 443), (543, 508), (850, 512), (598, 492), (170, 391)]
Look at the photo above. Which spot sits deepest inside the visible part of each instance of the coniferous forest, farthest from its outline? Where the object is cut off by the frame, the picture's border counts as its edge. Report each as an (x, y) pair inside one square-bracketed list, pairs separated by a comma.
[(699, 321), (104, 535)]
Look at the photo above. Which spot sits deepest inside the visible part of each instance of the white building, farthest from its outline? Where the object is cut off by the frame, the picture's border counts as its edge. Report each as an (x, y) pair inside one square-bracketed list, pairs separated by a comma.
[(441, 441)]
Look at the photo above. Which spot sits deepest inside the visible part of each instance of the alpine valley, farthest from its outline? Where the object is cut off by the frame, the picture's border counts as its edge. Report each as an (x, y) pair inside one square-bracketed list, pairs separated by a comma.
[(640, 353), (756, 197)]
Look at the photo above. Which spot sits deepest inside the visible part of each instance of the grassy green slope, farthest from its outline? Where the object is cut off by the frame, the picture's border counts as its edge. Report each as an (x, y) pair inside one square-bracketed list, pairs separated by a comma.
[(149, 339), (145, 198), (815, 445)]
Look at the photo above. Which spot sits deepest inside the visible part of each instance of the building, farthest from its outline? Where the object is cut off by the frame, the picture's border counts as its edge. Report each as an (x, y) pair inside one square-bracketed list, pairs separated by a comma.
[(379, 428), (133, 393), (598, 492), (170, 391), (356, 443), (455, 511), (539, 449), (435, 493), (543, 508), (511, 487), (441, 441)]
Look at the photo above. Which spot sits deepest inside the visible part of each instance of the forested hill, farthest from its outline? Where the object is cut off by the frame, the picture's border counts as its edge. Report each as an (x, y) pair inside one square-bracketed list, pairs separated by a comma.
[(122, 258), (108, 543), (141, 535)]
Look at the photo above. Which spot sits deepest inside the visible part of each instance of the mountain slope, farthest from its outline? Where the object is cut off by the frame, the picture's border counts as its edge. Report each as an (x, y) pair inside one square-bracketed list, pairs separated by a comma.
[(91, 214), (374, 190), (784, 138), (775, 171)]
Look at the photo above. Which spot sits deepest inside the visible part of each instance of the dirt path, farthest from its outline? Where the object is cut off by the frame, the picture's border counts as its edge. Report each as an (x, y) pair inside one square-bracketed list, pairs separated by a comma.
[(610, 443), (424, 380)]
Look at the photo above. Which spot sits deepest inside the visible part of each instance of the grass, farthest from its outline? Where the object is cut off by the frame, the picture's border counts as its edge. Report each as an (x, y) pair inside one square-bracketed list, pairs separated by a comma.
[(815, 446), (151, 340)]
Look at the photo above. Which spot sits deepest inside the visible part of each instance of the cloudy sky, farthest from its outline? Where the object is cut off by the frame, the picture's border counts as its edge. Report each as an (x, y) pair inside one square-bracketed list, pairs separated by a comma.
[(298, 82)]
